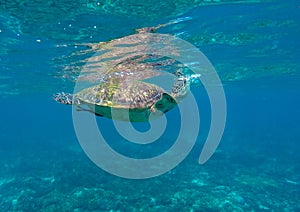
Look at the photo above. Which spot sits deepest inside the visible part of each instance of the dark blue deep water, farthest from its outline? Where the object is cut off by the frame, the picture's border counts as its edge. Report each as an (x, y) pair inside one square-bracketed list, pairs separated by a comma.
[(254, 47)]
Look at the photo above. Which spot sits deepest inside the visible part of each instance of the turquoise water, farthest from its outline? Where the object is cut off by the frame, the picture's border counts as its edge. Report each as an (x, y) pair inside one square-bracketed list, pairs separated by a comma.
[(254, 47)]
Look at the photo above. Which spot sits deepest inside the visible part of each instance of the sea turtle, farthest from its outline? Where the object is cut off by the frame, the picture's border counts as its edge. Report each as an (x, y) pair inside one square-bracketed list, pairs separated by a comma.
[(132, 101), (121, 87)]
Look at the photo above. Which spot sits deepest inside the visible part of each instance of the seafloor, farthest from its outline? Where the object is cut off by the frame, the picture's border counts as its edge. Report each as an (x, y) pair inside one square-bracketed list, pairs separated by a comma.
[(65, 180)]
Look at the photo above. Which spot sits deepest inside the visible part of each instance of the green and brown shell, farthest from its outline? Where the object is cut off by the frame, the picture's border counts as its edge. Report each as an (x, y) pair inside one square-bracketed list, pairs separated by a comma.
[(129, 101)]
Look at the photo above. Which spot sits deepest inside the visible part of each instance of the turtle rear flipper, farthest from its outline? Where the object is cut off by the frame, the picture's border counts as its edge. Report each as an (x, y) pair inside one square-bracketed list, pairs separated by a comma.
[(66, 98)]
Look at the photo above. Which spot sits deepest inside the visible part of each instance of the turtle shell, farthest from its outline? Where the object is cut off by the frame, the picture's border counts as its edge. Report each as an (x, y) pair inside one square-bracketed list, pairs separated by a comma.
[(129, 100)]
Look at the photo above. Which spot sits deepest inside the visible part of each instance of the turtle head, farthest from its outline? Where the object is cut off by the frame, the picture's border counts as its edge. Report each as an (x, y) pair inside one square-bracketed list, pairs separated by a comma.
[(180, 88), (66, 98)]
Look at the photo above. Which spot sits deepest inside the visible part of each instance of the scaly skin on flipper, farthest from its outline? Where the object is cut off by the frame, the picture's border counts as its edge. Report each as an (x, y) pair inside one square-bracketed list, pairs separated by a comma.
[(66, 98)]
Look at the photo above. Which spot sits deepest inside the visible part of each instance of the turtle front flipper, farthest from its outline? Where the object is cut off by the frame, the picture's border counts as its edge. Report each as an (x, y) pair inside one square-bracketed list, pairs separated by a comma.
[(66, 98)]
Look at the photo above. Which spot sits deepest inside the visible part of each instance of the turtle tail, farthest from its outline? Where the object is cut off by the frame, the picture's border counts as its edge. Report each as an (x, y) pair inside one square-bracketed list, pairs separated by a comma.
[(66, 98)]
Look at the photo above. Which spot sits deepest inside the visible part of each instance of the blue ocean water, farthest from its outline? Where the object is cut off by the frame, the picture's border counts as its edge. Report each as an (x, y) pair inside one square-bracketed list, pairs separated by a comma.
[(254, 47)]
